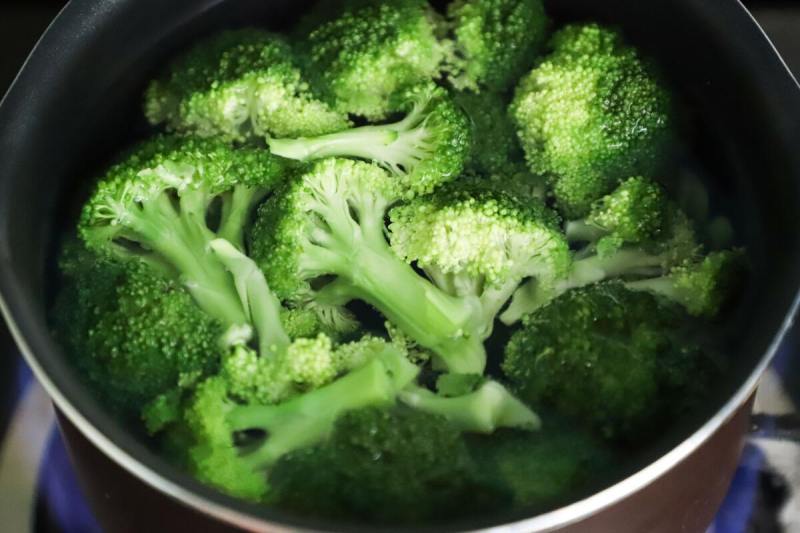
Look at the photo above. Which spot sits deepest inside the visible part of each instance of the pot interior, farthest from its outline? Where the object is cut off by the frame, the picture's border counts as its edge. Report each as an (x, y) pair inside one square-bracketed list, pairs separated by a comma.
[(77, 103)]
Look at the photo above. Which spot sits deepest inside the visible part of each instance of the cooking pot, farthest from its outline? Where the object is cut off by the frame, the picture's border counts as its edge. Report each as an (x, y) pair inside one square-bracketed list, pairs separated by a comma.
[(77, 101)]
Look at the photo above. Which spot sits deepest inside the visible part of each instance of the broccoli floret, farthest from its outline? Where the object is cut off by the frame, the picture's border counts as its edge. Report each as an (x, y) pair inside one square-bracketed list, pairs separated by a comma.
[(236, 444), (637, 212), (134, 334), (494, 42), (428, 147), (372, 52), (236, 85), (590, 114), (329, 223), (311, 320), (156, 204), (599, 354), (542, 469), (702, 287), (386, 466), (489, 407), (473, 241)]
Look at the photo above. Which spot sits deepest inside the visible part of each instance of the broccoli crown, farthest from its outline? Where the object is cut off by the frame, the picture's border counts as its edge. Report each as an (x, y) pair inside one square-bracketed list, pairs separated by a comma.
[(284, 238), (596, 354), (541, 469), (235, 445), (135, 334), (589, 115), (371, 52), (636, 212), (495, 41), (385, 466), (426, 148), (481, 233), (495, 148), (238, 84)]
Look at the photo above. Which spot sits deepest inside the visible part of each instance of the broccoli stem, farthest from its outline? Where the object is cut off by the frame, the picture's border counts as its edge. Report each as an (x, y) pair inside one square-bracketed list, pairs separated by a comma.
[(236, 208), (664, 286), (257, 299), (482, 411), (582, 231), (309, 418), (182, 238)]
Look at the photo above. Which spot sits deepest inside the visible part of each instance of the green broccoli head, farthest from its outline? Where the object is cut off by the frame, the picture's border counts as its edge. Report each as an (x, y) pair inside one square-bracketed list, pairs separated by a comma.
[(494, 41), (541, 469), (372, 52), (596, 354), (423, 150), (134, 333), (236, 85), (589, 115), (386, 466), (157, 202)]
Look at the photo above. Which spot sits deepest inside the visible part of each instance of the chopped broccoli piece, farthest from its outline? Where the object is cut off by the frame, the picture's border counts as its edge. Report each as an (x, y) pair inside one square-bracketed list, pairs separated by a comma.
[(134, 334), (426, 148), (396, 467), (373, 51), (598, 354), (237, 85), (155, 205), (224, 456), (494, 42), (330, 223), (590, 114)]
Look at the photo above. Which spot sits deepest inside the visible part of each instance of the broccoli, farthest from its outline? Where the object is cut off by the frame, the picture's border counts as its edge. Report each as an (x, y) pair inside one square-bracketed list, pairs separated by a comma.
[(373, 51), (590, 114), (397, 466), (427, 147), (236, 444), (329, 223), (542, 469), (494, 42), (134, 334), (237, 85), (476, 242), (156, 205), (599, 354)]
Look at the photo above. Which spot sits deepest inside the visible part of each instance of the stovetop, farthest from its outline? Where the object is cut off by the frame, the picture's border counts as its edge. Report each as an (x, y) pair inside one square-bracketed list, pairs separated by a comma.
[(40, 493)]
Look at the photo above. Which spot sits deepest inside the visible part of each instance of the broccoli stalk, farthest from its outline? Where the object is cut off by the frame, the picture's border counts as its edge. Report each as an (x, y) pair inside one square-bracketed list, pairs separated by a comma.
[(331, 223), (240, 468), (427, 147), (156, 204)]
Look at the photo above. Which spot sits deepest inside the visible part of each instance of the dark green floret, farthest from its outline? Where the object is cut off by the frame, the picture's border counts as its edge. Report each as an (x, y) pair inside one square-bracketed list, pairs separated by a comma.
[(590, 114), (238, 85), (426, 148), (391, 467), (133, 333), (600, 354), (373, 51), (494, 42)]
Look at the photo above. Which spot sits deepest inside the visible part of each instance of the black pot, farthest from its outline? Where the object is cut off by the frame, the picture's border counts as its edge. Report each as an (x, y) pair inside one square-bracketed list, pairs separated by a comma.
[(76, 102)]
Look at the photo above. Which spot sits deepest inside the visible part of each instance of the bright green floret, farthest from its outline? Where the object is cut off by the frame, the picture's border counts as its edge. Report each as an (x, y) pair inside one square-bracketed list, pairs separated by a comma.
[(328, 226), (426, 148), (600, 354), (134, 333), (235, 444), (372, 52), (392, 467), (157, 203), (590, 114), (237, 85), (479, 243), (494, 42)]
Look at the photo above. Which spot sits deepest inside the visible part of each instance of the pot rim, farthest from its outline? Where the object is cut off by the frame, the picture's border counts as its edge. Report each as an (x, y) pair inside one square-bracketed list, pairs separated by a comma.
[(12, 297)]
